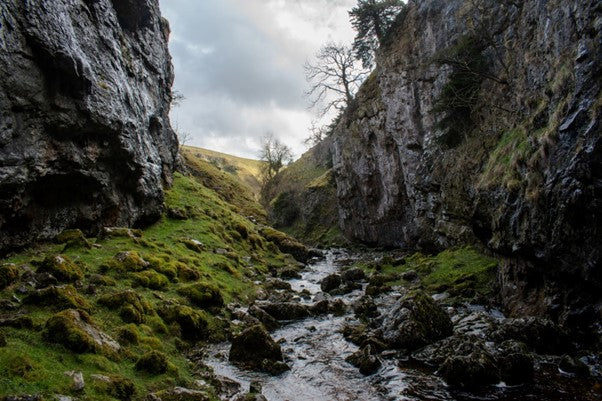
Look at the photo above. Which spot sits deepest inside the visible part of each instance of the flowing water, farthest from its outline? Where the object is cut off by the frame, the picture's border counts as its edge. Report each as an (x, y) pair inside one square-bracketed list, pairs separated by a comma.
[(315, 350)]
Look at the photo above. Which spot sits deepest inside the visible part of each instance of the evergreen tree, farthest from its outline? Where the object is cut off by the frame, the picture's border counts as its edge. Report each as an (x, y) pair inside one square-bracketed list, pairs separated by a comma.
[(372, 20)]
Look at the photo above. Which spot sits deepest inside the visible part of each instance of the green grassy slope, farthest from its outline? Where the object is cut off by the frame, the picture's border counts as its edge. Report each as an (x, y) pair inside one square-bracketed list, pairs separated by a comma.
[(301, 199), (161, 289), (247, 171)]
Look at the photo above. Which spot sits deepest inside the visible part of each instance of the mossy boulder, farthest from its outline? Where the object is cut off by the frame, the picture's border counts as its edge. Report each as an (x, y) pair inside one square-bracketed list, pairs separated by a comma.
[(203, 295), (132, 307), (128, 261), (128, 334), (479, 368), (73, 239), (76, 331), (187, 273), (159, 265), (114, 386), (151, 279), (193, 244), (61, 267), (192, 324), (153, 362), (17, 322), (254, 349), (414, 322), (9, 274), (288, 244), (57, 297)]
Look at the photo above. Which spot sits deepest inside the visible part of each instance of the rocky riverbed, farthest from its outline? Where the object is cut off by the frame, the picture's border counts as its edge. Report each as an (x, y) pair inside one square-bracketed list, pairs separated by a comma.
[(328, 340)]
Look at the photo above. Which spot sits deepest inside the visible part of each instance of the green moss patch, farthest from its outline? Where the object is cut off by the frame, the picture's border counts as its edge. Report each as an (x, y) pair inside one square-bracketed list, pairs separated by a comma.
[(58, 297), (61, 267), (9, 273), (203, 295)]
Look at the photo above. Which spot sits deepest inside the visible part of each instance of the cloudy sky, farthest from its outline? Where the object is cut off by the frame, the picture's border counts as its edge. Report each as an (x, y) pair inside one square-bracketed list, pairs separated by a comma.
[(239, 64)]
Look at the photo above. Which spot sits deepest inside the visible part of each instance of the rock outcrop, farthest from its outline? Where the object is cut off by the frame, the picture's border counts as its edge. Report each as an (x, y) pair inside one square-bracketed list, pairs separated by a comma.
[(85, 138), (481, 123)]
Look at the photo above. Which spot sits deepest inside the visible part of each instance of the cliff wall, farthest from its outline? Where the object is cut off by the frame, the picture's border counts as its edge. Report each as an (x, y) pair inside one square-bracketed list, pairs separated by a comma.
[(481, 124), (85, 139)]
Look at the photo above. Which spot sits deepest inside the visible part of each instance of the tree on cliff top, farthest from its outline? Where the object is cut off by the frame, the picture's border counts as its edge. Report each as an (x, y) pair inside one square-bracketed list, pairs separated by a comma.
[(372, 20), (334, 77)]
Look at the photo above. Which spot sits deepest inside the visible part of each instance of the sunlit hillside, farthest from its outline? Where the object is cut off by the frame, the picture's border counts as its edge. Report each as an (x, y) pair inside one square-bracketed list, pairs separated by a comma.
[(248, 171)]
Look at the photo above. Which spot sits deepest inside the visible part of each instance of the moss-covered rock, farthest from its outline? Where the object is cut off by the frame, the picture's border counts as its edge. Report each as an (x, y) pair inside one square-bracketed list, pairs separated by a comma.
[(132, 307), (128, 261), (17, 322), (414, 322), (9, 273), (57, 297), (193, 244), (61, 267), (203, 295), (153, 362), (128, 334), (254, 349), (114, 386), (288, 244), (73, 239), (187, 273), (151, 279), (159, 265), (75, 330), (192, 324)]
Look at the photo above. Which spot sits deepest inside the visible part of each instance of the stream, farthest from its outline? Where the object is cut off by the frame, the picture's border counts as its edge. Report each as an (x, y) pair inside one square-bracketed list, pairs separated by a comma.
[(315, 350)]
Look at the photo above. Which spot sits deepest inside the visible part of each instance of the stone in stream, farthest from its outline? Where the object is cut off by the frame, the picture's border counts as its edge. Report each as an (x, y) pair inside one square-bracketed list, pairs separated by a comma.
[(353, 275), (415, 321), (254, 349), (476, 369), (365, 360), (265, 318), (330, 282), (285, 310)]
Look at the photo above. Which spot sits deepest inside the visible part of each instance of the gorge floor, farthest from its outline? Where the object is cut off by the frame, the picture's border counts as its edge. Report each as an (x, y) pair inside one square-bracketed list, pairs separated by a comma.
[(315, 349)]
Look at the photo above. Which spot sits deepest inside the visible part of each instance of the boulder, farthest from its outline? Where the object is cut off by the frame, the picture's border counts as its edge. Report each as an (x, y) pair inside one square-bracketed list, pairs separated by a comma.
[(265, 318), (540, 334), (476, 369), (75, 330), (285, 310), (330, 282), (415, 321), (365, 360), (254, 349), (353, 275)]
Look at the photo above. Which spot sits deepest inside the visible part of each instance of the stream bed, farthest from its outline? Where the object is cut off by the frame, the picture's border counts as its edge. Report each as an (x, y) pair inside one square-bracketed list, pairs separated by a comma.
[(315, 350)]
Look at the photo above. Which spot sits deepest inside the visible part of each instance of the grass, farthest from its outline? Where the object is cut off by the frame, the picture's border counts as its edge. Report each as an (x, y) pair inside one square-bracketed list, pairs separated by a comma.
[(302, 200), (465, 273), (246, 171), (163, 269)]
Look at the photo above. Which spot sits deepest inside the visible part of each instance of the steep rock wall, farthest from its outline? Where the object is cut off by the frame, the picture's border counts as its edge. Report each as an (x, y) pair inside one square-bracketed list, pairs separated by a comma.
[(521, 171), (85, 139)]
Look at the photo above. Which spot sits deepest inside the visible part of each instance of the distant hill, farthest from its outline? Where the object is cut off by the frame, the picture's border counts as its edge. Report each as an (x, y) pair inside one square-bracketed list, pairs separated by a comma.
[(247, 171)]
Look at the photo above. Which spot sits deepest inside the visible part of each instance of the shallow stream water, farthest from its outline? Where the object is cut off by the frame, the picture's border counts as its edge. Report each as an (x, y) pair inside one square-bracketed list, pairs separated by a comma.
[(315, 350)]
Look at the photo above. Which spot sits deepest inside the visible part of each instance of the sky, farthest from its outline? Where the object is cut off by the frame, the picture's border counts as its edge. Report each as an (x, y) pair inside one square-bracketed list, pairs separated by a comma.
[(239, 65)]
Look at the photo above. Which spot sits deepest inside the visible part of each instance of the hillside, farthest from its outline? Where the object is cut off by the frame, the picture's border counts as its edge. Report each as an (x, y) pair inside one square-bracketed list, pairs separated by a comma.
[(247, 171), (123, 308), (301, 199)]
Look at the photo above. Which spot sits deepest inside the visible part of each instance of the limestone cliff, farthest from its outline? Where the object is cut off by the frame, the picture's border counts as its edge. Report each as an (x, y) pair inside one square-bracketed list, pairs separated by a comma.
[(85, 138), (481, 123)]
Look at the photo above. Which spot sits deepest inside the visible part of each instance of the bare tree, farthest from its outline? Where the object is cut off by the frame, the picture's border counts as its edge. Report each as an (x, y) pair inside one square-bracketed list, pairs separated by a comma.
[(275, 154), (334, 77), (317, 134)]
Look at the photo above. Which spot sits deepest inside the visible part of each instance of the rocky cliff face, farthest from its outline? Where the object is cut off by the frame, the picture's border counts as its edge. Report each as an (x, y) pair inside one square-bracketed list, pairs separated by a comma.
[(482, 123), (85, 138)]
